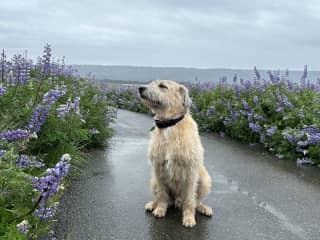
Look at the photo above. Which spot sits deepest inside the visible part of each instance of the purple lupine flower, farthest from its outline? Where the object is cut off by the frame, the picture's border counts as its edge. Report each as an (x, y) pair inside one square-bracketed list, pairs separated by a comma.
[(270, 76), (13, 135), (44, 61), (110, 113), (256, 72), (2, 152), (3, 64), (223, 80), (76, 102), (33, 123), (237, 91), (17, 67), (280, 109), (62, 110), (271, 131), (53, 95), (259, 117), (37, 164), (47, 186), (41, 112), (291, 137), (245, 104), (274, 77), (39, 117), (23, 161), (290, 85), (23, 227), (286, 102), (235, 78), (3, 91), (211, 110), (21, 68), (247, 85), (304, 76), (250, 116), (256, 100), (311, 139), (310, 129), (44, 213), (255, 127), (107, 117)]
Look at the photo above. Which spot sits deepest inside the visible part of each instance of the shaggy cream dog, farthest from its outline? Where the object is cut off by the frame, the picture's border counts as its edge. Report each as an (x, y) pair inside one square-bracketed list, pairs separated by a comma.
[(178, 174)]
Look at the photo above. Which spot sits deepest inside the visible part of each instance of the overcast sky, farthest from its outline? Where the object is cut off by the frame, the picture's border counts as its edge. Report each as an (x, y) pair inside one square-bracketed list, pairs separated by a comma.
[(270, 34)]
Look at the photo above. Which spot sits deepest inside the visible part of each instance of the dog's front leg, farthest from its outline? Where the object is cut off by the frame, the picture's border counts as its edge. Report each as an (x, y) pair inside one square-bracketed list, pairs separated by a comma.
[(189, 203), (160, 192)]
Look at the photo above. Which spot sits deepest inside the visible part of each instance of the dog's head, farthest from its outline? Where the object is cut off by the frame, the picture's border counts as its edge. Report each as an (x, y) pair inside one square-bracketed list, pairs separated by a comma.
[(165, 98)]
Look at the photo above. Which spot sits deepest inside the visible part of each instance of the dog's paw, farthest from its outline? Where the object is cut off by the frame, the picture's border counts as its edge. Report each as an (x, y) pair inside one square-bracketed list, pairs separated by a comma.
[(150, 206), (189, 221), (159, 212), (205, 210)]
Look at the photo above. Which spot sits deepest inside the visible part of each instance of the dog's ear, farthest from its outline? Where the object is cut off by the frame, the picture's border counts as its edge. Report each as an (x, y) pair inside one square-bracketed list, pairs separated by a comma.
[(185, 97)]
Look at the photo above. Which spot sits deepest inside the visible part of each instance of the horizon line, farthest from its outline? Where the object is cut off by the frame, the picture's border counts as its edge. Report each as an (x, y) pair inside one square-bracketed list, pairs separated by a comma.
[(198, 68)]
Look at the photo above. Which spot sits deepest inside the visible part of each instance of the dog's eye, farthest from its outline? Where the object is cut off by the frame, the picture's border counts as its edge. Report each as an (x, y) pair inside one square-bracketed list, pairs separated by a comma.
[(161, 85)]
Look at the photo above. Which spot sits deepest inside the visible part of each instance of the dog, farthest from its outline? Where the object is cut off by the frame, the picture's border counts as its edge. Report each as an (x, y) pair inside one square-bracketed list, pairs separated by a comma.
[(178, 173)]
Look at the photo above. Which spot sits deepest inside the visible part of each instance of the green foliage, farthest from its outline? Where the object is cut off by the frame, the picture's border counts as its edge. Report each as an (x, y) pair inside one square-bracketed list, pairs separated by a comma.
[(126, 97), (278, 107), (74, 133), (232, 109)]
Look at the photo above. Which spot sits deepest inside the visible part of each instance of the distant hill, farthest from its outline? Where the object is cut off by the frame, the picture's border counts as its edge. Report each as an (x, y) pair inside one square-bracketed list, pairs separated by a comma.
[(145, 74)]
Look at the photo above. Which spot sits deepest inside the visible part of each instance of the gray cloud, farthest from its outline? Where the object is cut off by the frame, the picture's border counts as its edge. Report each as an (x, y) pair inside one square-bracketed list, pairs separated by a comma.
[(207, 33)]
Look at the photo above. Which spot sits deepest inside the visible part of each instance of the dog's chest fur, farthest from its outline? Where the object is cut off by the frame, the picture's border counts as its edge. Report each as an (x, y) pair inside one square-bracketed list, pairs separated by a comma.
[(169, 156)]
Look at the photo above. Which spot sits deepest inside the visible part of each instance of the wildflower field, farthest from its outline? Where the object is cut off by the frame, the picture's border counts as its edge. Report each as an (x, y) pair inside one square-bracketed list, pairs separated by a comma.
[(48, 118), (276, 113)]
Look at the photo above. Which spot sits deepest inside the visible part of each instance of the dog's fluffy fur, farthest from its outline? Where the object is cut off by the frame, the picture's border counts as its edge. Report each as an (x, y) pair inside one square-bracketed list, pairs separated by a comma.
[(178, 174)]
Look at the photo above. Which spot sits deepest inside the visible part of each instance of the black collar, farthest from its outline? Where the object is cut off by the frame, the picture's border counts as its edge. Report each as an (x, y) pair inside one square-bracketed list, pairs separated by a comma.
[(168, 123)]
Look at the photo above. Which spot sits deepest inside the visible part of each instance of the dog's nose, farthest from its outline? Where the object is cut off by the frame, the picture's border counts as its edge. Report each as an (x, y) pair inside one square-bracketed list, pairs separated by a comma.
[(141, 89)]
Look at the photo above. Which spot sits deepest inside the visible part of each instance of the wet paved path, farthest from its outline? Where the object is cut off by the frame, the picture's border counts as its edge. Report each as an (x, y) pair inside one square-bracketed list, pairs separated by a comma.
[(254, 196)]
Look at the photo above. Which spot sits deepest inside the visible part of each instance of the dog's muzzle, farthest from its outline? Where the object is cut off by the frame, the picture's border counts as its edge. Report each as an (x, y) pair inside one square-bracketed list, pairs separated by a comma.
[(141, 90), (146, 97)]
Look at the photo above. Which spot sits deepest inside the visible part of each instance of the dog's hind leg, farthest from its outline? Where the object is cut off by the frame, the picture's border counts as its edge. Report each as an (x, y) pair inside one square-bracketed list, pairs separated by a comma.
[(203, 190), (204, 209)]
